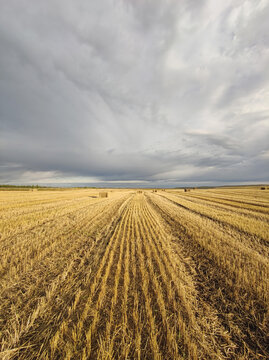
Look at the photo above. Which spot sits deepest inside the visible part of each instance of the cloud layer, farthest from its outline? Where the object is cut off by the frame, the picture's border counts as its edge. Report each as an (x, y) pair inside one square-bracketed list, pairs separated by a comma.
[(150, 92)]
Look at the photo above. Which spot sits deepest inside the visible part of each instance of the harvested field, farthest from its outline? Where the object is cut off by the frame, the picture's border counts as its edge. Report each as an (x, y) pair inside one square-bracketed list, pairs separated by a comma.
[(135, 275)]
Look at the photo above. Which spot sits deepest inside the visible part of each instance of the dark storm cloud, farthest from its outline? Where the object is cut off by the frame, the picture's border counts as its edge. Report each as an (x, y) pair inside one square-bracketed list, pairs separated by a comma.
[(164, 92)]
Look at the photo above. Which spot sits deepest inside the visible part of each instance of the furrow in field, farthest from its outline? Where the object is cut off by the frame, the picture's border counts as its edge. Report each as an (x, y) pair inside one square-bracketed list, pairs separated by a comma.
[(15, 203), (144, 276), (75, 324), (227, 208), (82, 255), (29, 221), (239, 255), (136, 307), (117, 340), (30, 252), (241, 200), (14, 233), (182, 295), (259, 198), (84, 333), (230, 204), (49, 309), (107, 338), (42, 207), (23, 256), (228, 279), (125, 335), (161, 293), (253, 232)]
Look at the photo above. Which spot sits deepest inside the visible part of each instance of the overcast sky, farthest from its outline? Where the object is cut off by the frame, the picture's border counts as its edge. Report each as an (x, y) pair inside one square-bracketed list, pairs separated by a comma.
[(156, 93)]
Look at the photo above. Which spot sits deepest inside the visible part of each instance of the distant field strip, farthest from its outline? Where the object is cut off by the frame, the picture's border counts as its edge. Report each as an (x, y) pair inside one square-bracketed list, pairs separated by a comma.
[(137, 275)]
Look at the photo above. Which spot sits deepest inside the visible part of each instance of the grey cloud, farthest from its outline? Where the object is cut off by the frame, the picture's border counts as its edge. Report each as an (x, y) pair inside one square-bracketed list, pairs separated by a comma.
[(153, 91), (223, 141)]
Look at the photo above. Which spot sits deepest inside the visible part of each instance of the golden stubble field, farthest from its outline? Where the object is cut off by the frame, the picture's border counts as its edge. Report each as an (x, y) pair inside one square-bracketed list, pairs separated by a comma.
[(136, 275)]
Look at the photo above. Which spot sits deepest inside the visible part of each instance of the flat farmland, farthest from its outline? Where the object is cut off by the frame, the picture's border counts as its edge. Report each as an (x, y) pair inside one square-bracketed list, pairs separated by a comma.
[(137, 275)]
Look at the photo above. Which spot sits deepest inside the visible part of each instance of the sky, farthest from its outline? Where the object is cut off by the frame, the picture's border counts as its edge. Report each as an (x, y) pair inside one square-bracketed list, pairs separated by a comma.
[(134, 92)]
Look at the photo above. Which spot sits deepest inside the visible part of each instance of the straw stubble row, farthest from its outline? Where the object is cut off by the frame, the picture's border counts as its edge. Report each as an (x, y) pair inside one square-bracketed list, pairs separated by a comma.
[(137, 275)]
